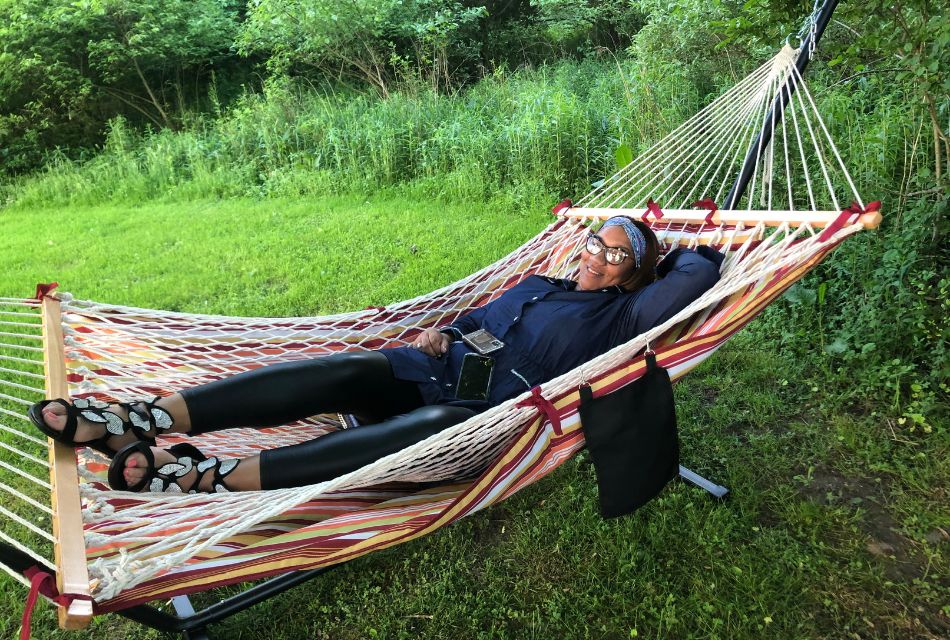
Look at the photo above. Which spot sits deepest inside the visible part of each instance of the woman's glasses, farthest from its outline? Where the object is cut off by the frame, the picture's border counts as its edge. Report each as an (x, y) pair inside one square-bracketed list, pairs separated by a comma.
[(614, 255)]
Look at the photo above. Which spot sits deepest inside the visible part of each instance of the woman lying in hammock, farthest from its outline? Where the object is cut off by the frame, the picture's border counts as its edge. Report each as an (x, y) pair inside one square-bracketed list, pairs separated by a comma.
[(535, 331)]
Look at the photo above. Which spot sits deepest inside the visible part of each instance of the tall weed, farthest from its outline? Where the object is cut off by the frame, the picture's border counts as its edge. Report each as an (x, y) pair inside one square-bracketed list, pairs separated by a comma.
[(871, 323)]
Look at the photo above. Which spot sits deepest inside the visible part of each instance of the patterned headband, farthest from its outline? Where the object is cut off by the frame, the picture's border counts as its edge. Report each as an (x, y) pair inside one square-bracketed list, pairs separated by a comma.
[(637, 241)]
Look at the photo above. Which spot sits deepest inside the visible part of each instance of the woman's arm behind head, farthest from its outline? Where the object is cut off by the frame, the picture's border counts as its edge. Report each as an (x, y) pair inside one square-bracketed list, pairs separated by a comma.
[(685, 275)]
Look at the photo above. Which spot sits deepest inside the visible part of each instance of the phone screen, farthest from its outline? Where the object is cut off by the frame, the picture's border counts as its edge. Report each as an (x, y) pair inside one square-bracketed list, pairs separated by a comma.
[(475, 377)]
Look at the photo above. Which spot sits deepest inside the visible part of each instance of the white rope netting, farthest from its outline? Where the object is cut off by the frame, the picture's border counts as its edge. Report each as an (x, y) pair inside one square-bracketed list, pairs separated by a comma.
[(24, 467), (702, 157)]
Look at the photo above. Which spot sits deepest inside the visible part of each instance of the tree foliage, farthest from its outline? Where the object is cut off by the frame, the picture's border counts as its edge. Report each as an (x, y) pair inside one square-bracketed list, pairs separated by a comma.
[(165, 39), (907, 41), (67, 66), (441, 43), (366, 40)]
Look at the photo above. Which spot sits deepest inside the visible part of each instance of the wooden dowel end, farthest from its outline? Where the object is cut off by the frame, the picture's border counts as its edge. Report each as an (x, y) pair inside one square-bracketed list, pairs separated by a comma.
[(871, 220)]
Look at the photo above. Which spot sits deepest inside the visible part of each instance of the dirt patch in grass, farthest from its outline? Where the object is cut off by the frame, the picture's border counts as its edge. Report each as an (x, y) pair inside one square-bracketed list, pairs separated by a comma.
[(708, 396), (739, 429), (783, 429), (899, 557), (490, 530), (829, 487)]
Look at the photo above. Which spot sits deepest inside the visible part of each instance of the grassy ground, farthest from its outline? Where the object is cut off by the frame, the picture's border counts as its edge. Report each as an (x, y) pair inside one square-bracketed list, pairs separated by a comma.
[(836, 527)]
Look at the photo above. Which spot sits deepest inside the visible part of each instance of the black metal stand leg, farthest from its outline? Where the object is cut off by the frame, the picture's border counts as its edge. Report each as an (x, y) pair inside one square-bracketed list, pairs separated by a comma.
[(192, 625), (719, 492)]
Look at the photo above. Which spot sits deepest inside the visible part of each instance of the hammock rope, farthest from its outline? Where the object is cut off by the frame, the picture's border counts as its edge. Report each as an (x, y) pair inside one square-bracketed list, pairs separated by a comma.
[(145, 546), (711, 145), (639, 174)]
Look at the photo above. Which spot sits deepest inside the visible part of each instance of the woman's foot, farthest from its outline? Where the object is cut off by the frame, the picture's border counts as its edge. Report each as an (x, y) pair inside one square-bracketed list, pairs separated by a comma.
[(108, 428), (180, 469)]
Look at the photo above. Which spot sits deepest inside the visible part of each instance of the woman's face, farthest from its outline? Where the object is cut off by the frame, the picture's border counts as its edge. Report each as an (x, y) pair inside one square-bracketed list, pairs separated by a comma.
[(596, 272)]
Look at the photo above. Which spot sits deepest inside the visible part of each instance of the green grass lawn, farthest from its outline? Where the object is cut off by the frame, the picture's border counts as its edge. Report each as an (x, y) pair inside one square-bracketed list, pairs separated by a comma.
[(836, 527), (242, 257)]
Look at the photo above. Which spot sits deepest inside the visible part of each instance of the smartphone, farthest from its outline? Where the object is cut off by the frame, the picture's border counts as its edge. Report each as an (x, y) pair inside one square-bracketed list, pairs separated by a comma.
[(474, 377), (482, 342)]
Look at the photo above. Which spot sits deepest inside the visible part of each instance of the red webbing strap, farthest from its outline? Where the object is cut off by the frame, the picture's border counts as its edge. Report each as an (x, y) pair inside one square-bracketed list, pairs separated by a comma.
[(707, 203), (43, 583), (842, 219), (561, 206), (43, 290), (653, 208), (544, 406)]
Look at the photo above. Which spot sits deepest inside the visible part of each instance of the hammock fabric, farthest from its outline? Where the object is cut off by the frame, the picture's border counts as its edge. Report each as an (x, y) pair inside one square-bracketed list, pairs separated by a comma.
[(142, 547)]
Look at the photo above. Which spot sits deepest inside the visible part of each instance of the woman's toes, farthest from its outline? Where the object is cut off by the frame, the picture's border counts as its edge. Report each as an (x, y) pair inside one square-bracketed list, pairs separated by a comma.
[(137, 461), (55, 419), (133, 476), (135, 468)]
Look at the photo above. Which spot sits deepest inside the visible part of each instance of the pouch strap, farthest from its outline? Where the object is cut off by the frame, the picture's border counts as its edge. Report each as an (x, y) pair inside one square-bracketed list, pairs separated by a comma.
[(586, 393), (651, 360)]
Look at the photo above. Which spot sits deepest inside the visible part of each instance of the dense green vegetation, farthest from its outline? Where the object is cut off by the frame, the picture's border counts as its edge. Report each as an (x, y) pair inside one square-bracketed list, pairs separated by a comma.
[(531, 133), (149, 147), (67, 67)]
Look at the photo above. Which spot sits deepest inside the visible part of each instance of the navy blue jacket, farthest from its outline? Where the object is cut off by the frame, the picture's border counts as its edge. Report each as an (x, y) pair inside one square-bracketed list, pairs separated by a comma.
[(549, 328)]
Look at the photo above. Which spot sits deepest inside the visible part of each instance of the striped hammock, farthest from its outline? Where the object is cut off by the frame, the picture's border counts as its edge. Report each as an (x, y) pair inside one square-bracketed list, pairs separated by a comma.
[(128, 549)]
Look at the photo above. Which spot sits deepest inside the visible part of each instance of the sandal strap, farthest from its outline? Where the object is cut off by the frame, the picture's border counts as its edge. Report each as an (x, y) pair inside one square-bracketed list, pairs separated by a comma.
[(165, 479), (219, 468), (146, 420)]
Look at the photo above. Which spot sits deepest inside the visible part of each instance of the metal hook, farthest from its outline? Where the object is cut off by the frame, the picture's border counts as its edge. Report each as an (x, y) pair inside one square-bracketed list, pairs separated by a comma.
[(799, 39)]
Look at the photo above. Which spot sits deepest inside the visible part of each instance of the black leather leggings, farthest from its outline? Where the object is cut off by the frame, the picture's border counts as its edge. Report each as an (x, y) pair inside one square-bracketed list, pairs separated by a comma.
[(359, 382)]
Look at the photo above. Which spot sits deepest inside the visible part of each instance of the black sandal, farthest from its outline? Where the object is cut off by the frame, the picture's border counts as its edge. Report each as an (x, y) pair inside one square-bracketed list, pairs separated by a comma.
[(164, 479), (145, 421)]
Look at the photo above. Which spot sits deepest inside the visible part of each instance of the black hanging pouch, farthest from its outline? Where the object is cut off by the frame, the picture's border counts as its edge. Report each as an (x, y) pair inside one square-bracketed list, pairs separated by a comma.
[(631, 435)]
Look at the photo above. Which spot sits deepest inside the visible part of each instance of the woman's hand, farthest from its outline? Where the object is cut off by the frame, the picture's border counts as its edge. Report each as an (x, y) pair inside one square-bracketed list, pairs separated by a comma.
[(432, 343)]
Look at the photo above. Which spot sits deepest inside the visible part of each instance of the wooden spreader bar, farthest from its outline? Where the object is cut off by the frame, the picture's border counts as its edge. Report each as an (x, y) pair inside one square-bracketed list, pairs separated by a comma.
[(69, 547), (817, 219)]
